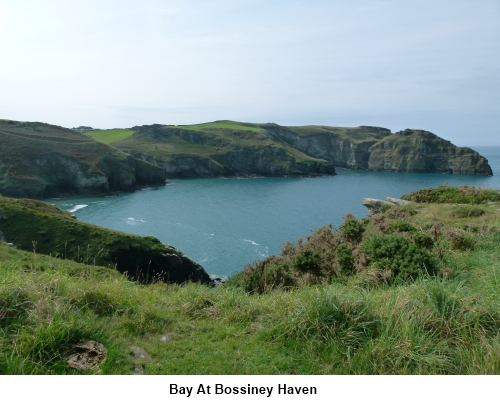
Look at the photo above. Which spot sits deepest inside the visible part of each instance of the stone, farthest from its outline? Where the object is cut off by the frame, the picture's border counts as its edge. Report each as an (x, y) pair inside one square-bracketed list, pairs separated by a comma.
[(375, 206), (87, 355), (141, 358), (166, 338), (397, 201)]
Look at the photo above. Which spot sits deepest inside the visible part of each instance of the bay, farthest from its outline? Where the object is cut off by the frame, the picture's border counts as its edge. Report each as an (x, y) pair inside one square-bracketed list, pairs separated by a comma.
[(225, 224)]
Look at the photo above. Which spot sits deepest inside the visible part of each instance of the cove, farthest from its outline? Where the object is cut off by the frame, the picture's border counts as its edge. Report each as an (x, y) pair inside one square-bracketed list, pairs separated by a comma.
[(225, 224)]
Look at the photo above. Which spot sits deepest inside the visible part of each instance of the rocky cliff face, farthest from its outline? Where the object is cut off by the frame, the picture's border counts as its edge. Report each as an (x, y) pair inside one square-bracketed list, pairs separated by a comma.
[(373, 148), (419, 151), (184, 153), (39, 160)]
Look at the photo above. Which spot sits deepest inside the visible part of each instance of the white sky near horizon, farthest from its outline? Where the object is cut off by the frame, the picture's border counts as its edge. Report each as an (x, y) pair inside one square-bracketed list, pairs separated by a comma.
[(422, 64)]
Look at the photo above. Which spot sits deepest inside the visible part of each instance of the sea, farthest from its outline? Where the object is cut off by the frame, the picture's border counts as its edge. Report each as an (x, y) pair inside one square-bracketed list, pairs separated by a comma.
[(226, 224)]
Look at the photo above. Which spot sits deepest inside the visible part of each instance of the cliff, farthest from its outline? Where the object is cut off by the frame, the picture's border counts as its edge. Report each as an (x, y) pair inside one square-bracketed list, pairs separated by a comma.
[(420, 151), (377, 149), (43, 228), (220, 149), (227, 148), (39, 160)]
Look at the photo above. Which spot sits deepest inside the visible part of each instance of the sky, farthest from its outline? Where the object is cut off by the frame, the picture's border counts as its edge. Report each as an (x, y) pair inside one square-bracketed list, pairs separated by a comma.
[(432, 65)]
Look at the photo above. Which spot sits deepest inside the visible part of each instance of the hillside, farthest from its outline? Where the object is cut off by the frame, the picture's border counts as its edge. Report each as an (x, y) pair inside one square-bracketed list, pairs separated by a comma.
[(228, 148), (39, 160), (44, 229), (220, 149), (336, 302)]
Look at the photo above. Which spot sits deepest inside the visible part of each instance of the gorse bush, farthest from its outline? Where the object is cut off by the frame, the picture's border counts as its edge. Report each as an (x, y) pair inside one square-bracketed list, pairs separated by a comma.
[(352, 229), (307, 261), (261, 277), (423, 240), (400, 256), (401, 226), (345, 259)]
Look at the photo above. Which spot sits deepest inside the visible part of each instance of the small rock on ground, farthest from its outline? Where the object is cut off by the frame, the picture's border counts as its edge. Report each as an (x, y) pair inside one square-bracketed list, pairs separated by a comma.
[(86, 355)]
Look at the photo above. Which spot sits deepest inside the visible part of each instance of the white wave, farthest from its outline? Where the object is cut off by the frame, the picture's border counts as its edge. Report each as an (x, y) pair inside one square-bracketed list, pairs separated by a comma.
[(133, 221), (252, 242), (77, 207)]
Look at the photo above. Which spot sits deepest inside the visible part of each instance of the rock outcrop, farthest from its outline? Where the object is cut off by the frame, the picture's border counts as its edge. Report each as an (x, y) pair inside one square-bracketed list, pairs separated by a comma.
[(345, 147), (374, 148), (419, 151), (378, 206)]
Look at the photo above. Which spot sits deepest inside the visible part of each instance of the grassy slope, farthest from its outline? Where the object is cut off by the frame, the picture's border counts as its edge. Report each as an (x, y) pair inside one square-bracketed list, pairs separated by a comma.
[(353, 134), (36, 226), (447, 324)]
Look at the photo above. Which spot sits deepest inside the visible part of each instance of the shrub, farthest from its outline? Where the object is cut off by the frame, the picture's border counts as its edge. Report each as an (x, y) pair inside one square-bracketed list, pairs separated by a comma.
[(451, 194), (267, 275), (307, 261), (345, 258), (399, 255), (423, 240), (401, 226), (460, 240), (352, 229)]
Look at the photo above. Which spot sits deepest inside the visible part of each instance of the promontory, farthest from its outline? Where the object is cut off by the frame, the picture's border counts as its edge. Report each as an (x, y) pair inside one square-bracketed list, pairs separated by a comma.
[(39, 160)]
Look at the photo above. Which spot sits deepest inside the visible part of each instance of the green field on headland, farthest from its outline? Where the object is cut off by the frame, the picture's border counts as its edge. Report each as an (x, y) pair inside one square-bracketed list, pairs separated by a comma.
[(412, 290), (109, 135)]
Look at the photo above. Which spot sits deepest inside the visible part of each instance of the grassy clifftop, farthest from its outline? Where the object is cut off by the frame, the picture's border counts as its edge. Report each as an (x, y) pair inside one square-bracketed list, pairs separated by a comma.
[(314, 309)]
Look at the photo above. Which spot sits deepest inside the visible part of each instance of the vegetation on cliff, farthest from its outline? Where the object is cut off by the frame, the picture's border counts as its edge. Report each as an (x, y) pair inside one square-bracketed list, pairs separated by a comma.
[(223, 148), (45, 229), (339, 301), (39, 160)]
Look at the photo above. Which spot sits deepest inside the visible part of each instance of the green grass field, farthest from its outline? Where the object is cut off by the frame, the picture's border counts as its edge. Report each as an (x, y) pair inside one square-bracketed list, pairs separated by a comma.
[(237, 126), (109, 135)]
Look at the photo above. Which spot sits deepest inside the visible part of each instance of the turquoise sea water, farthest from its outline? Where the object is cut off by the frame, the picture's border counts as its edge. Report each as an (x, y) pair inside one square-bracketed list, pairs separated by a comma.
[(225, 224)]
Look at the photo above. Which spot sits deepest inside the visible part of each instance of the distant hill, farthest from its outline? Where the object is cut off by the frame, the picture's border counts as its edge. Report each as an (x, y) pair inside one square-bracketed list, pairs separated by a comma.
[(228, 148), (39, 160)]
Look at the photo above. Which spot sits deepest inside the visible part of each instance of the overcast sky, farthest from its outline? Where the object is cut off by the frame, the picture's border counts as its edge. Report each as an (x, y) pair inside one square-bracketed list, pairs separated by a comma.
[(431, 65)]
